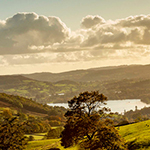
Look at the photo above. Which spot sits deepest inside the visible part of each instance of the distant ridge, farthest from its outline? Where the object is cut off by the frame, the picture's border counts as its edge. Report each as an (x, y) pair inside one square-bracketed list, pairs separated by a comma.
[(112, 67), (4, 79), (23, 86), (65, 82), (118, 82), (96, 74)]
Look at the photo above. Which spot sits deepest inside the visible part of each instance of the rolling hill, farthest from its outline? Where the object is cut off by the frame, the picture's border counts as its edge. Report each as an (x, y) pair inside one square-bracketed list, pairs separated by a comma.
[(28, 106), (121, 82), (136, 135), (96, 74), (22, 86)]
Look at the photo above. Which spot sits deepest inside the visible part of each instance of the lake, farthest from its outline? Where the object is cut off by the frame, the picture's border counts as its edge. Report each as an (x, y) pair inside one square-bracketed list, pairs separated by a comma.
[(115, 105)]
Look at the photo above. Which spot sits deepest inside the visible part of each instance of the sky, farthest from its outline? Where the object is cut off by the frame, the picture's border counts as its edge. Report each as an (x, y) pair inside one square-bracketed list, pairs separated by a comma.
[(63, 35)]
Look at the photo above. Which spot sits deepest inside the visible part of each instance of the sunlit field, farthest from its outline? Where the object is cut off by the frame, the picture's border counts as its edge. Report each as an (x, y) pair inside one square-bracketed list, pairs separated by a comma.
[(46, 144), (140, 132)]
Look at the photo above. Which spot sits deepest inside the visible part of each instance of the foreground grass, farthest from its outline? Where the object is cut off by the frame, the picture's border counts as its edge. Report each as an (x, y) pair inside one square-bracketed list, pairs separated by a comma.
[(140, 132), (42, 144), (46, 144), (37, 136)]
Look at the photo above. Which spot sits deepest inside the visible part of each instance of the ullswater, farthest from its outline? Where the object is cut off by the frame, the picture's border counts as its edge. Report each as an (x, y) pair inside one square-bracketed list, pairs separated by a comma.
[(115, 105)]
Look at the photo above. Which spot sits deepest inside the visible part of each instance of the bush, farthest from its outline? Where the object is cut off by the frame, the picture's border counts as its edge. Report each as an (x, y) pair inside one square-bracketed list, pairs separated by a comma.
[(31, 138), (54, 149), (54, 123), (54, 133), (124, 122)]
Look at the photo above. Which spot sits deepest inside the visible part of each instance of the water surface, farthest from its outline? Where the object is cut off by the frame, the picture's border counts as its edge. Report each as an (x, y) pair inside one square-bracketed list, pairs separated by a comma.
[(115, 105)]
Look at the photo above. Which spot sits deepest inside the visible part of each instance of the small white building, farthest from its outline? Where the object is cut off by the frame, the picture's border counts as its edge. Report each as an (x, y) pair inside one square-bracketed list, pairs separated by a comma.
[(61, 94)]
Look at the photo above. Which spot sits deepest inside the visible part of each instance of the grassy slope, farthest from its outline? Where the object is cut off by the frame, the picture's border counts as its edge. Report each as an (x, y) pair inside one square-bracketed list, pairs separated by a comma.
[(28, 106), (40, 144), (139, 131), (41, 91), (19, 85), (46, 144), (37, 136)]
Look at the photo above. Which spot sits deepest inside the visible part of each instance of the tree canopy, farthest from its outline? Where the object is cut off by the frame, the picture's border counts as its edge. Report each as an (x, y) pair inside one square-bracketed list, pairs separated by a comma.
[(12, 134), (88, 124)]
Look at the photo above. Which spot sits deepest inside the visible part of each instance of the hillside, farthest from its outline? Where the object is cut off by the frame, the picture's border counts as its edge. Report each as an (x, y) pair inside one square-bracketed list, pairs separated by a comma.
[(55, 77), (96, 74), (22, 86), (137, 135), (128, 89), (28, 106), (117, 82), (40, 91), (38, 118), (64, 90)]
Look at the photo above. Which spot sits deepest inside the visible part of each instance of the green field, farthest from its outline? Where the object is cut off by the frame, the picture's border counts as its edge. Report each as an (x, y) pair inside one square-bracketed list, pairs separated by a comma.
[(37, 136), (46, 144), (140, 132), (40, 144)]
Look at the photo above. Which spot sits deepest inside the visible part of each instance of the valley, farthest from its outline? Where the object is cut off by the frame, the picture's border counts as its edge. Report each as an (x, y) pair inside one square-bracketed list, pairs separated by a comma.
[(117, 83)]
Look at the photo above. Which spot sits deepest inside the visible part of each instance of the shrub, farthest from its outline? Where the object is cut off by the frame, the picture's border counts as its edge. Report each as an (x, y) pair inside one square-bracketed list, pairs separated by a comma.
[(31, 138), (54, 133)]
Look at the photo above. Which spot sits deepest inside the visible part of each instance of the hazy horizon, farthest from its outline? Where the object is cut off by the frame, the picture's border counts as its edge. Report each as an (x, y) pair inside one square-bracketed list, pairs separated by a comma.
[(59, 36), (70, 70)]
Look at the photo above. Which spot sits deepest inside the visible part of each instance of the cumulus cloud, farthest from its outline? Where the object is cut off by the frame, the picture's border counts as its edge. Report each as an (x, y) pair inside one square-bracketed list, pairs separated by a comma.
[(28, 38), (40, 58), (24, 30), (3, 61), (90, 21), (116, 34), (135, 21)]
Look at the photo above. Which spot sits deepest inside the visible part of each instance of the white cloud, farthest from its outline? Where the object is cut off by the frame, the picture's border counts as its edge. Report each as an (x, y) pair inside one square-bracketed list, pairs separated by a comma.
[(28, 38), (135, 21), (90, 21), (3, 61), (29, 29)]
